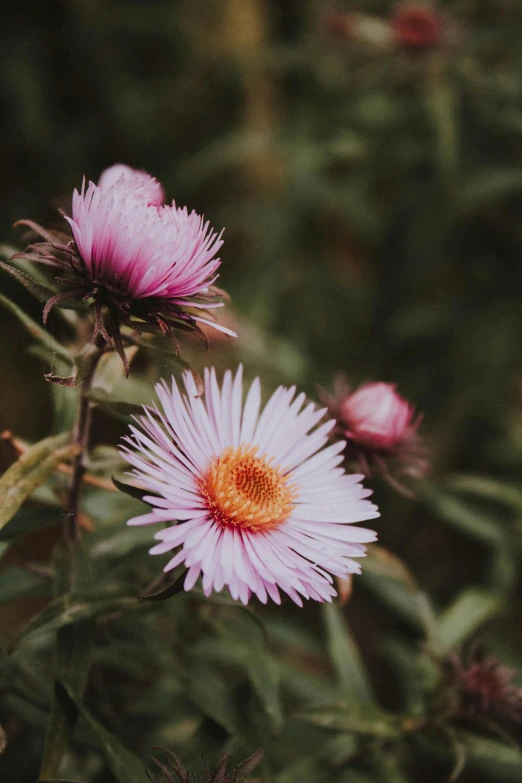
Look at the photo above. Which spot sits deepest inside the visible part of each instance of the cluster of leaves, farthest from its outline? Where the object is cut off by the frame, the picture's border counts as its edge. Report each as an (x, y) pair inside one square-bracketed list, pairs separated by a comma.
[(379, 235)]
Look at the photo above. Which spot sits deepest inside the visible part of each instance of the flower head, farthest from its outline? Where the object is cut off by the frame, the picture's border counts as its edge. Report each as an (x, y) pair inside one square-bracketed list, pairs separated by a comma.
[(416, 26), (379, 425), (377, 416), (260, 499), (143, 261), (484, 687)]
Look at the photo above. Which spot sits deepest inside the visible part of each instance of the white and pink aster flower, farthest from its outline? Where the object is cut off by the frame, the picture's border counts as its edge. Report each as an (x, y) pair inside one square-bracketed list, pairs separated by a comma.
[(260, 499), (135, 258)]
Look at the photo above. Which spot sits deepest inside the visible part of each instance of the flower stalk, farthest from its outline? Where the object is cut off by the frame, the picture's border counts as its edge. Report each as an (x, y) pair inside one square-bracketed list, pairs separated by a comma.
[(81, 436)]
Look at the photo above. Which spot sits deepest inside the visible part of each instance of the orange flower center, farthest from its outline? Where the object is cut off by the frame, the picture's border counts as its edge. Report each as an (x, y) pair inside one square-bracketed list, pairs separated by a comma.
[(245, 491)]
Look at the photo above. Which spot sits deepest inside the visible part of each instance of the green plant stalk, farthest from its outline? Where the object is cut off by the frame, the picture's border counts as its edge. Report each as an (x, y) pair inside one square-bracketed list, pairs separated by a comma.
[(81, 435), (73, 643)]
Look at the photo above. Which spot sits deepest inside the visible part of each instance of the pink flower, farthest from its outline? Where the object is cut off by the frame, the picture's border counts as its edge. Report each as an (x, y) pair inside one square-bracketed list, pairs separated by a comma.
[(144, 261), (485, 686), (380, 427), (260, 499), (140, 250), (416, 26), (377, 416)]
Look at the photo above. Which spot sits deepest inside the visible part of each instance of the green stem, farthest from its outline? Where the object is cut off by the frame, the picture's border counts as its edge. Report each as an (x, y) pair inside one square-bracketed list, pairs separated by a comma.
[(81, 435)]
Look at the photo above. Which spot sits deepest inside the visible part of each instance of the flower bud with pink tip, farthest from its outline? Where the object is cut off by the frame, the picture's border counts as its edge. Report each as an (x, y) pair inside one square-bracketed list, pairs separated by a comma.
[(376, 416), (380, 427)]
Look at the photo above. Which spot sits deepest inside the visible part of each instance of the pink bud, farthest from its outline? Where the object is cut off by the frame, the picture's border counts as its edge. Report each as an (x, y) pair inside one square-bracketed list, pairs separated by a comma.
[(416, 26), (377, 417)]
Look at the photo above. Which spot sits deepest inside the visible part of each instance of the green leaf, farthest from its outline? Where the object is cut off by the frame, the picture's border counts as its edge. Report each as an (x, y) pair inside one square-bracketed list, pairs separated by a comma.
[(109, 373), (28, 519), (165, 587), (502, 762), (133, 492), (357, 718), (341, 748), (35, 330), (213, 696), (388, 767), (461, 515), (488, 186), (55, 780), (120, 408), (492, 489), (496, 761), (30, 470), (73, 609), (73, 646), (444, 109), (245, 643), (124, 765), (41, 292), (351, 675), (391, 581), (467, 613), (73, 657), (15, 583)]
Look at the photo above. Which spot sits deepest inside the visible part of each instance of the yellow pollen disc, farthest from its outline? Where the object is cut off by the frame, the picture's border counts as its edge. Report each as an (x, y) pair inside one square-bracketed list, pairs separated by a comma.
[(244, 490)]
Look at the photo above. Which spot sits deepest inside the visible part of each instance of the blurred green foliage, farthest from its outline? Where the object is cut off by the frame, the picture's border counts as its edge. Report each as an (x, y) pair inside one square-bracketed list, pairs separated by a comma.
[(372, 199)]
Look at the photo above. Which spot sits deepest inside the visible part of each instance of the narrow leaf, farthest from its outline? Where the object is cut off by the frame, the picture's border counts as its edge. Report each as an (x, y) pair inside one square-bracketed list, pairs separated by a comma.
[(462, 516), (357, 718), (73, 646), (35, 330), (500, 761), (485, 487), (118, 407), (124, 765), (351, 675), (245, 644), (165, 588), (55, 780), (28, 519), (73, 657), (73, 609), (110, 372), (466, 614), (15, 583), (391, 581), (133, 492), (490, 185), (42, 293), (30, 470)]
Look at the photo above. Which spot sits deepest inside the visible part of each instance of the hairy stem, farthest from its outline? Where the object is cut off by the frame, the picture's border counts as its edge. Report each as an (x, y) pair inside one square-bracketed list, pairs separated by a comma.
[(81, 434)]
